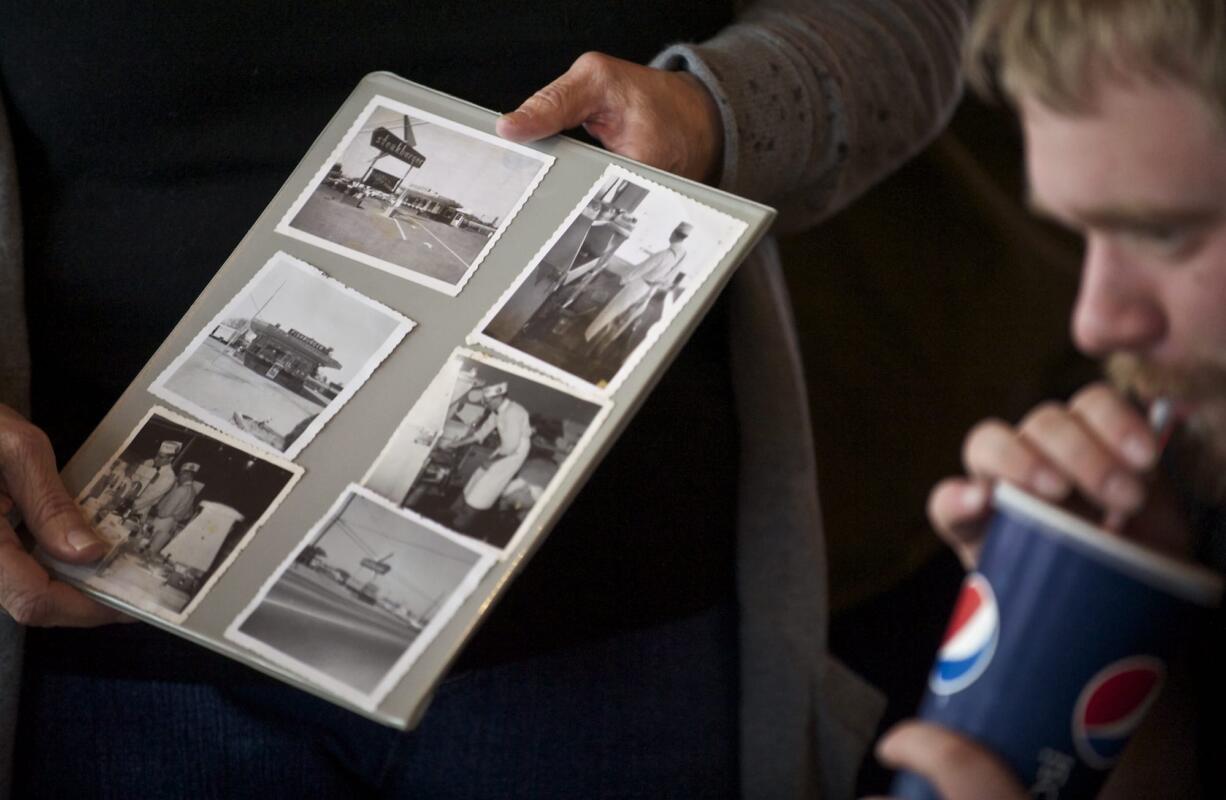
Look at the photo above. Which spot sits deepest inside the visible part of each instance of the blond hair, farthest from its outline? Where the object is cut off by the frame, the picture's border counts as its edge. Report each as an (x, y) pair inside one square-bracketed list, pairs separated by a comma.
[(1055, 50)]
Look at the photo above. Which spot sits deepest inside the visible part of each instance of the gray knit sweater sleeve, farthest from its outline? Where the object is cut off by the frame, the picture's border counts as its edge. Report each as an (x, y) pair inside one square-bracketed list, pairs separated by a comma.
[(822, 98)]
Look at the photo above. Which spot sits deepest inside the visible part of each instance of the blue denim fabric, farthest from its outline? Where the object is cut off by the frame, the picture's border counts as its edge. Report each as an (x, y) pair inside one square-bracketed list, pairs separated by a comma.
[(648, 714)]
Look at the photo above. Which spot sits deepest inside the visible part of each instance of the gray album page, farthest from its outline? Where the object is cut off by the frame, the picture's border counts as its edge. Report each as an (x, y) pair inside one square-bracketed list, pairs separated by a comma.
[(388, 394)]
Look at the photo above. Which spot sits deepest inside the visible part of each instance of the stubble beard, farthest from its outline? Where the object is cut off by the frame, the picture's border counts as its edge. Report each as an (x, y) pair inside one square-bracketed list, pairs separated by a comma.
[(1199, 397)]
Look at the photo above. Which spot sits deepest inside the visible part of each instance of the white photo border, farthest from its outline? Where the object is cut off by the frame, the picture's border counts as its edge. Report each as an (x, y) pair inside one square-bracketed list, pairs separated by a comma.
[(285, 228), (732, 231), (70, 571), (159, 387), (370, 702), (561, 477)]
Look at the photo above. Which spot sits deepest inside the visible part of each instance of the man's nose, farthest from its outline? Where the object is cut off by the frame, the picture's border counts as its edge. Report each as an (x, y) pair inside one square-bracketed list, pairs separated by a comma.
[(1118, 307)]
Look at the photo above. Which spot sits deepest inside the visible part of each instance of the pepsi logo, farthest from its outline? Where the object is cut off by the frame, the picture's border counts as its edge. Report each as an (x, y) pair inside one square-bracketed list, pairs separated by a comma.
[(970, 640), (1111, 707)]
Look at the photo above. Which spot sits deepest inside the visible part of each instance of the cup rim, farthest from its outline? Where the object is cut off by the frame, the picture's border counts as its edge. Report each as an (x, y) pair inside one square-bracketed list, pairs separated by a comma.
[(1191, 582)]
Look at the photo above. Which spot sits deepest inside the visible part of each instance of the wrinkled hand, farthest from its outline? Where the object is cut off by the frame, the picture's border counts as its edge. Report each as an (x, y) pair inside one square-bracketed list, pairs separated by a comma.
[(29, 482), (664, 119), (958, 768), (1097, 445)]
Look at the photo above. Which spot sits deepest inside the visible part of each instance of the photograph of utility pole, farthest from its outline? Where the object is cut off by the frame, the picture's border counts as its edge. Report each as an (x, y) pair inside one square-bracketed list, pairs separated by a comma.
[(361, 597)]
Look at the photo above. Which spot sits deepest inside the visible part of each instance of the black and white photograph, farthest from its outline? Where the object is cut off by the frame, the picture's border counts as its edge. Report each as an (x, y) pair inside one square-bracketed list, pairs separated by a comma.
[(361, 597), (482, 446), (176, 504), (417, 195), (609, 281), (282, 358)]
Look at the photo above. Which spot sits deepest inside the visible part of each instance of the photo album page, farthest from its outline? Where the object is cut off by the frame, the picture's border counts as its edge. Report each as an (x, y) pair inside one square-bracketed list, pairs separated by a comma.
[(388, 394)]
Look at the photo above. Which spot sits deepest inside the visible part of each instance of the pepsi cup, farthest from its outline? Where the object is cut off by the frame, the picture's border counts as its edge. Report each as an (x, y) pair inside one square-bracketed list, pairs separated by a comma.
[(1058, 645)]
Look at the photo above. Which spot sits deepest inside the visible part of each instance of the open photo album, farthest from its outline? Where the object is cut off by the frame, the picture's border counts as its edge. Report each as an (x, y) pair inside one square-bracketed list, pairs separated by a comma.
[(388, 394)]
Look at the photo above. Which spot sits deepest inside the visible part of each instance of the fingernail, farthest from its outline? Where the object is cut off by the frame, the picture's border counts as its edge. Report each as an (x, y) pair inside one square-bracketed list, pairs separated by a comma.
[(1050, 484), (1122, 492), (1138, 451), (972, 498), (80, 539)]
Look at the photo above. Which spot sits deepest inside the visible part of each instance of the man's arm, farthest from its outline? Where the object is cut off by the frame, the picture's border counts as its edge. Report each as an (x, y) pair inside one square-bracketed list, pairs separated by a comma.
[(648, 265), (820, 99), (483, 430), (802, 104)]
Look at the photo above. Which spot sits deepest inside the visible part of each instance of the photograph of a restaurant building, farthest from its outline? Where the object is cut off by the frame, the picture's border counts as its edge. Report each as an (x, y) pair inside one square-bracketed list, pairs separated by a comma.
[(282, 357), (292, 359)]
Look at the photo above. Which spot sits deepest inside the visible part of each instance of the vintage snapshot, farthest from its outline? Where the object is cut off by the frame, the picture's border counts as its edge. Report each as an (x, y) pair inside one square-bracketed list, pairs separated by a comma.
[(361, 597), (176, 504), (609, 281), (483, 445), (283, 356), (417, 195)]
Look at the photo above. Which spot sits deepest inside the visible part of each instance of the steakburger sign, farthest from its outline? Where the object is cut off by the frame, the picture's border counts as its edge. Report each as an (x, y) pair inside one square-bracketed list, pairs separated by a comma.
[(392, 145)]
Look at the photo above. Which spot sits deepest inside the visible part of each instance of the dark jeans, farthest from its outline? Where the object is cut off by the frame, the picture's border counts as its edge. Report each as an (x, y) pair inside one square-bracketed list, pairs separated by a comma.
[(650, 714)]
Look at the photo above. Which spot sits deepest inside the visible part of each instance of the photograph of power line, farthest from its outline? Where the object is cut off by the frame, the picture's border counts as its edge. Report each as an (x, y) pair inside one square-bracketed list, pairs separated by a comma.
[(283, 356), (415, 194), (361, 598)]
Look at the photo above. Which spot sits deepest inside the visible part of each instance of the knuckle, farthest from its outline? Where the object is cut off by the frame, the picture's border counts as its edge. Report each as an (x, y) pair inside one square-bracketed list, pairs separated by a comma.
[(29, 608), (1044, 416), (935, 505), (549, 98), (49, 505), (593, 62), (980, 435), (1093, 396), (21, 443)]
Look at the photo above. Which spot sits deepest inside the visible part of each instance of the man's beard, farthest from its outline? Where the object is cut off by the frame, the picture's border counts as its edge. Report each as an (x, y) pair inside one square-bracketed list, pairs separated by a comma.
[(1199, 397)]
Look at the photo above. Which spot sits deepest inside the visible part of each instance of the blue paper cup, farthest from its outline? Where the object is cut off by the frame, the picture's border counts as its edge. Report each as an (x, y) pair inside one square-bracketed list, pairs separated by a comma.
[(1058, 645)]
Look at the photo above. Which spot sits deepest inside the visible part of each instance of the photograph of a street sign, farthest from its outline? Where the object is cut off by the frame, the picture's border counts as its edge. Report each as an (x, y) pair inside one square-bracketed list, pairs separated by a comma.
[(417, 195)]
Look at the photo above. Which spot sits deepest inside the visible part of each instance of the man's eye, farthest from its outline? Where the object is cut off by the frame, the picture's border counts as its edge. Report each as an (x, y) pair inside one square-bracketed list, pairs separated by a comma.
[(1168, 241)]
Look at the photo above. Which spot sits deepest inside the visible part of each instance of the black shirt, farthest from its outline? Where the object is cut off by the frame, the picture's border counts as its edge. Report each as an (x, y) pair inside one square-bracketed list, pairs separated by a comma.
[(149, 137)]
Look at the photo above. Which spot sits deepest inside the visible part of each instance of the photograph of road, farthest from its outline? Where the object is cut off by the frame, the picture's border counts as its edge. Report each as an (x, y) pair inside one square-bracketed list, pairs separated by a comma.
[(175, 504), (418, 195), (362, 597), (283, 357), (613, 277), (482, 446)]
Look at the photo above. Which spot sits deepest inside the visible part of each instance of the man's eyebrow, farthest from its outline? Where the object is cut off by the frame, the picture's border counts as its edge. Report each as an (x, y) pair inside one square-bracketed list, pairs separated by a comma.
[(1128, 217)]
